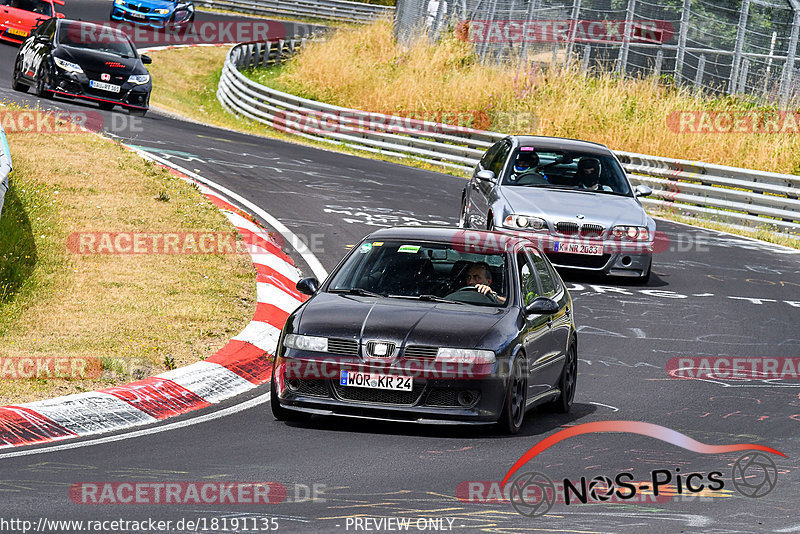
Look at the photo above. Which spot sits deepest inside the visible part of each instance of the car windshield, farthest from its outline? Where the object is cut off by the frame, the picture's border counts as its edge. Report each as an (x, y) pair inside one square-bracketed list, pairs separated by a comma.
[(36, 6), (95, 37), (424, 271), (580, 171)]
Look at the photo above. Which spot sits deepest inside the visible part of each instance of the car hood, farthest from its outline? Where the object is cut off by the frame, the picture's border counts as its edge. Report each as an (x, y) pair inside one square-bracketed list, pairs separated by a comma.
[(565, 205), (397, 320), (20, 18), (97, 61)]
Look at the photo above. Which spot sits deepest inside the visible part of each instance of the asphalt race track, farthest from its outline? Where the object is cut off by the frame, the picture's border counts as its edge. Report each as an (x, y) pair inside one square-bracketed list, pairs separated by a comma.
[(711, 295)]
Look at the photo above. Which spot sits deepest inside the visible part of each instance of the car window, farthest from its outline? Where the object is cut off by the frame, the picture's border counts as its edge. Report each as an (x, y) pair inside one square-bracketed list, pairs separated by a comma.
[(567, 169), (93, 37), (409, 269), (529, 287), (34, 6), (496, 165), (488, 157), (547, 283)]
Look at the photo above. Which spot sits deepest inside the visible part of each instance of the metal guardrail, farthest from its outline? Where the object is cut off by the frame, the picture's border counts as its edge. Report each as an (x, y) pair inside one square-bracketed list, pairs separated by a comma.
[(5, 167), (729, 194), (339, 10)]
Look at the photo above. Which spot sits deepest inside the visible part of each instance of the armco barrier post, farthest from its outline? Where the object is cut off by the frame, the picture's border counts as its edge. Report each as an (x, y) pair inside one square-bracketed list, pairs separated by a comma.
[(5, 167)]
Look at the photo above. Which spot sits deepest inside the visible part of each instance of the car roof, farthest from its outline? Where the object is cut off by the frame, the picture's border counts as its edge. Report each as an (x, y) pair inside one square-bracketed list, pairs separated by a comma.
[(443, 234), (560, 143)]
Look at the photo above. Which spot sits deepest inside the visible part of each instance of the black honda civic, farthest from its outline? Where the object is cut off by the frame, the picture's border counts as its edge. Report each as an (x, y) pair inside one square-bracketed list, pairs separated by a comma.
[(430, 325), (75, 59)]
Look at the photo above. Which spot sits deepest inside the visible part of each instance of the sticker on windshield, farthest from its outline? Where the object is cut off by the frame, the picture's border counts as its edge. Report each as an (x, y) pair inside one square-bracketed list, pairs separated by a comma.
[(408, 248), (377, 244), (527, 149), (366, 247)]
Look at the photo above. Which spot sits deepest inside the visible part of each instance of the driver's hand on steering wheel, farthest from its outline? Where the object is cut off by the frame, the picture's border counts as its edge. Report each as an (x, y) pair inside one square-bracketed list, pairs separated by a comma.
[(486, 290)]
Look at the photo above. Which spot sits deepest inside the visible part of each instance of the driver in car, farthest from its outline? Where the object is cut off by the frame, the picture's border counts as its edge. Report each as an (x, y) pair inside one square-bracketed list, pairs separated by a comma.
[(480, 276)]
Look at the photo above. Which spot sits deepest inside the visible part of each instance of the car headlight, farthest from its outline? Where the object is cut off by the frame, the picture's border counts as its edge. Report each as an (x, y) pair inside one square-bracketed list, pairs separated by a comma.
[(138, 78), (161, 11), (67, 65), (634, 233), (119, 2), (524, 221), (312, 343), (465, 355)]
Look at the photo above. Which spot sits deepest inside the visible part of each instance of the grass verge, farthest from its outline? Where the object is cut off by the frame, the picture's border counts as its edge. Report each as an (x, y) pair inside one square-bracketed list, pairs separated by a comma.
[(378, 75), (135, 315)]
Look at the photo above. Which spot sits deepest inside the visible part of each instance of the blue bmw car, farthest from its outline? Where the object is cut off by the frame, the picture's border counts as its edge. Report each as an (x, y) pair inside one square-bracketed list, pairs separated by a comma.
[(154, 13)]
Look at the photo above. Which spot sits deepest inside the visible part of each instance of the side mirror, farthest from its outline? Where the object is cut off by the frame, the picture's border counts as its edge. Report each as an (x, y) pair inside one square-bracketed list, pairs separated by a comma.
[(308, 286), (642, 191), (485, 176), (542, 306), (146, 59)]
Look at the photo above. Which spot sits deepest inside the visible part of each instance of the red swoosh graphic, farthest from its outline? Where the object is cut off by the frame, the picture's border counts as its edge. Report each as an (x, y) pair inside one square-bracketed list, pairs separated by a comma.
[(633, 427)]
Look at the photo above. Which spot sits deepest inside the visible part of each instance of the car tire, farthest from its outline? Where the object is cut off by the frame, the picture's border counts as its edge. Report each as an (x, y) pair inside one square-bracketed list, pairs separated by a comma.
[(106, 106), (645, 278), (568, 381), (15, 84), (279, 412), (513, 413), (41, 90), (462, 217)]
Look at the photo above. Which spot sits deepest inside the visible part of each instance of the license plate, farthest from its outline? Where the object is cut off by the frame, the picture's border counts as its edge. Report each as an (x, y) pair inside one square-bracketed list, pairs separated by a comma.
[(14, 31), (576, 247), (376, 381), (104, 86), (136, 15)]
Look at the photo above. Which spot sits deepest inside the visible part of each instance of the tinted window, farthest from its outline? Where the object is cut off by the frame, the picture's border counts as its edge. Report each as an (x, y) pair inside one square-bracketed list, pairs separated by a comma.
[(412, 268), (527, 279), (35, 6), (490, 154), (547, 282), (94, 37), (47, 28), (496, 165), (576, 170)]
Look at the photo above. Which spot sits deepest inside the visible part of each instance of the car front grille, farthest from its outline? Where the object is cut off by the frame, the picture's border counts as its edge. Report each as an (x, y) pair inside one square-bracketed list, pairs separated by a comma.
[(567, 228), (378, 396), (448, 398), (421, 352), (313, 388), (138, 7), (343, 347), (592, 230)]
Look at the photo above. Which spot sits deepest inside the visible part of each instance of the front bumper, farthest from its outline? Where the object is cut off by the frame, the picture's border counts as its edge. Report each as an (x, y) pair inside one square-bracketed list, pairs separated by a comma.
[(76, 85), (619, 263), (123, 13), (431, 400)]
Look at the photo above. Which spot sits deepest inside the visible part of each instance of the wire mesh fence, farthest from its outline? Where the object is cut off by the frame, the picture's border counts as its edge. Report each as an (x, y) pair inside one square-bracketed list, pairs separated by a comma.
[(735, 47)]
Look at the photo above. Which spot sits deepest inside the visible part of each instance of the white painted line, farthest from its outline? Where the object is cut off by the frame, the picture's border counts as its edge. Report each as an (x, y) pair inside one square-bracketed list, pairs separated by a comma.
[(209, 381), (297, 243), (145, 431)]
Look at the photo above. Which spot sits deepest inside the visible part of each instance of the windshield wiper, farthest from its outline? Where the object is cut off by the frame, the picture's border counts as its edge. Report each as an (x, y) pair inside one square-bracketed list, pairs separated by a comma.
[(432, 298), (357, 291)]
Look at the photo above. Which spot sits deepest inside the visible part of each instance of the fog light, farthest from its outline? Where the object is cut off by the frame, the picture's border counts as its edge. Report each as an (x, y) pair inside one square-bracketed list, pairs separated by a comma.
[(293, 384), (467, 398)]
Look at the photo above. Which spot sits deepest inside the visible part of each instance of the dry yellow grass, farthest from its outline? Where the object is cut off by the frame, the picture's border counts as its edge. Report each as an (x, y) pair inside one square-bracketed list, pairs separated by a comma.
[(364, 68), (137, 314)]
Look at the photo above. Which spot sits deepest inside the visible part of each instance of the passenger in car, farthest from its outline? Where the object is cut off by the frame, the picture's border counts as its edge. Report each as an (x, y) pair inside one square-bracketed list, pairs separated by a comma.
[(589, 175)]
